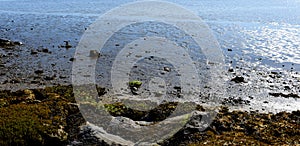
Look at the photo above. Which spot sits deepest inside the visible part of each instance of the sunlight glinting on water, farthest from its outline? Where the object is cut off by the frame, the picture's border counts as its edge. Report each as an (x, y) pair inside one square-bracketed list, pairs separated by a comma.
[(278, 42)]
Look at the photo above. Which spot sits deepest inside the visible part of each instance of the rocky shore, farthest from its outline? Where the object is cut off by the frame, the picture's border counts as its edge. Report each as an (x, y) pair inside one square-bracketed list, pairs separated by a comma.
[(47, 114), (51, 116)]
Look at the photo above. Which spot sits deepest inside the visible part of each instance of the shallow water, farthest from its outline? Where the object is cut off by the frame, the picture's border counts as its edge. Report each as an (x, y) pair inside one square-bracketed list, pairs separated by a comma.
[(263, 35)]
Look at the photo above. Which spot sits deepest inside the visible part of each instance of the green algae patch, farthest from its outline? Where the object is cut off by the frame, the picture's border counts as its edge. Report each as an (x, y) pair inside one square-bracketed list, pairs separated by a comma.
[(135, 83)]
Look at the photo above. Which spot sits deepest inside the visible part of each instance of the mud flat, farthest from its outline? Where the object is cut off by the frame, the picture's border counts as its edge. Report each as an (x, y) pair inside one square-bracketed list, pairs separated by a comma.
[(261, 105)]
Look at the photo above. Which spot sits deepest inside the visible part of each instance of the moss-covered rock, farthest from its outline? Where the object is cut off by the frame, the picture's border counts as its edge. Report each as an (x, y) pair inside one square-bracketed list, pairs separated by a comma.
[(36, 123), (135, 83)]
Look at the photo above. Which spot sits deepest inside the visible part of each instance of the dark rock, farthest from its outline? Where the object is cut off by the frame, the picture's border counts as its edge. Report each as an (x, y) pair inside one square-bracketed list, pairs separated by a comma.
[(45, 50), (34, 82), (39, 71), (235, 101), (18, 43), (67, 45), (177, 87), (4, 42), (167, 69), (274, 72), (62, 77), (287, 87), (7, 43), (230, 70), (33, 52), (48, 78), (238, 79), (72, 59), (285, 95), (229, 50), (13, 81)]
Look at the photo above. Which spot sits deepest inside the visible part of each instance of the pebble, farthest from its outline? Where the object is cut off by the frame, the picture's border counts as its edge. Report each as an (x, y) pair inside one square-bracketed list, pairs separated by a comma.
[(45, 50), (94, 53), (167, 69), (72, 59), (39, 71), (238, 79)]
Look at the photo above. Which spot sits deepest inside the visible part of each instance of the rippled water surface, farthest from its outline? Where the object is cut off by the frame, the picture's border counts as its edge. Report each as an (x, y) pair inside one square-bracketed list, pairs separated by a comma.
[(252, 29)]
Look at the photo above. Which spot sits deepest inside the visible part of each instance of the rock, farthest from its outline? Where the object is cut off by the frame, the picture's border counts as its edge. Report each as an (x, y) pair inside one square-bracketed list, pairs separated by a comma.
[(45, 50), (135, 83), (229, 50), (16, 80), (67, 45), (134, 90), (48, 78), (30, 95), (72, 59), (287, 87), (18, 43), (39, 71), (33, 52), (94, 53), (230, 70), (235, 101), (285, 95), (6, 43), (238, 79), (167, 69)]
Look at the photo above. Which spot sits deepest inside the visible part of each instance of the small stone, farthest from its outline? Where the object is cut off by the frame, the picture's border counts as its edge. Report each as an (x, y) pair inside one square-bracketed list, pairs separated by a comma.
[(229, 50), (287, 87), (62, 77), (15, 81), (177, 88), (48, 78), (134, 90), (167, 69), (94, 53), (45, 50), (72, 59), (30, 95), (274, 72), (33, 52), (34, 82), (67, 45), (18, 43), (39, 71), (230, 70), (238, 79)]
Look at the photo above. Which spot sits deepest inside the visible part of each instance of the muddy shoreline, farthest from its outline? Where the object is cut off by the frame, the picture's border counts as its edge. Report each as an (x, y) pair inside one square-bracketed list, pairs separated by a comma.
[(50, 115), (261, 104)]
